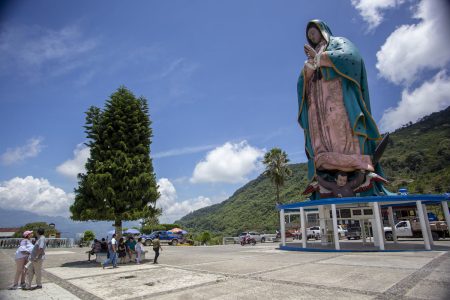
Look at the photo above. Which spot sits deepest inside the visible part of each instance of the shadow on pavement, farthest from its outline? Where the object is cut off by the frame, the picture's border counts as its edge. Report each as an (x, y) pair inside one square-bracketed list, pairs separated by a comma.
[(81, 264), (93, 264)]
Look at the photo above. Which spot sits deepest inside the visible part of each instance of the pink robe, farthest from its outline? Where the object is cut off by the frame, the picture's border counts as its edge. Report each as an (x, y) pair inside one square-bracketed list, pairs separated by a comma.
[(335, 147)]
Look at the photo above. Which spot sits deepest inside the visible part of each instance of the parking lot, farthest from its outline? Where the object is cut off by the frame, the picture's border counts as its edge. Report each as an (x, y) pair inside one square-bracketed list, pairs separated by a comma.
[(241, 272)]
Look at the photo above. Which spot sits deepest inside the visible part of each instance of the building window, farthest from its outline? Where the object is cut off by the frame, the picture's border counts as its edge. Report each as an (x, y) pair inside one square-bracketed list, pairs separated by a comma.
[(368, 212), (357, 212)]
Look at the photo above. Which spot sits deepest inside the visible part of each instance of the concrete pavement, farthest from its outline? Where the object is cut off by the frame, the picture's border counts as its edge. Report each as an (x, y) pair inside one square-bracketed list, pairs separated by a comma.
[(236, 272)]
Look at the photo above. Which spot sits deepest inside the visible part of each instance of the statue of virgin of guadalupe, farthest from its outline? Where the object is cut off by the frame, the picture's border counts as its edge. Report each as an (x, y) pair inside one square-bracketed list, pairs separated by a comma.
[(334, 112)]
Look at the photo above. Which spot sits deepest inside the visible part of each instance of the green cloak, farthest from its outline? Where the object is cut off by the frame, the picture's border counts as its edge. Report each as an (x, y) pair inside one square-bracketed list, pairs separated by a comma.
[(349, 66)]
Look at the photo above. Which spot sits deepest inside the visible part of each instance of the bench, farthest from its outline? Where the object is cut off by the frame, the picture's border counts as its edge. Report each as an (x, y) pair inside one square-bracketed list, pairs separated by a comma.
[(133, 255), (102, 256)]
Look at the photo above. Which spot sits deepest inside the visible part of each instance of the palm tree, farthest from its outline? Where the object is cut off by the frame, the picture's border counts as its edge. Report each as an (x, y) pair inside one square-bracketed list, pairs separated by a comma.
[(276, 168)]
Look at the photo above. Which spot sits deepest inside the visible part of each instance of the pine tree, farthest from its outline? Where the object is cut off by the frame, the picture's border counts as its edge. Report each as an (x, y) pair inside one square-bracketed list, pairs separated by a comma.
[(119, 183)]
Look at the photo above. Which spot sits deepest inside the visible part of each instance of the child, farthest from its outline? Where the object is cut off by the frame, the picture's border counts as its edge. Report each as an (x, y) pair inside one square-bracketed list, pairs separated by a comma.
[(139, 248)]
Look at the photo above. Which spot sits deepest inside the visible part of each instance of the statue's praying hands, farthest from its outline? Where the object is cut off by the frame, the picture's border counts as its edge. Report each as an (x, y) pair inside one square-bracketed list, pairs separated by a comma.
[(310, 52)]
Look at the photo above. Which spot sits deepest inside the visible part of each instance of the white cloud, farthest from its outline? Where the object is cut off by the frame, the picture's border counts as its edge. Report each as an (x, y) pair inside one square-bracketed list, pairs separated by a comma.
[(372, 10), (35, 49), (35, 195), (182, 151), (15, 155), (72, 167), (431, 96), (411, 49), (174, 209), (228, 163)]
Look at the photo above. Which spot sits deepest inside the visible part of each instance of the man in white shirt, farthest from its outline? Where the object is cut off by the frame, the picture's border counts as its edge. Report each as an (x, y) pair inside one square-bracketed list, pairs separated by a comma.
[(112, 253)]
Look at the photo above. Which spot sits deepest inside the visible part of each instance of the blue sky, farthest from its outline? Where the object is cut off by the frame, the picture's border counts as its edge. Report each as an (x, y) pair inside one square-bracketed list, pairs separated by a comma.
[(220, 78)]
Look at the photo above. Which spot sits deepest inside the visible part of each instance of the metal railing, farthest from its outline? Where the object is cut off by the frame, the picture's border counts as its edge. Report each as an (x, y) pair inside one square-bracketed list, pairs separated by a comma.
[(230, 240), (7, 243)]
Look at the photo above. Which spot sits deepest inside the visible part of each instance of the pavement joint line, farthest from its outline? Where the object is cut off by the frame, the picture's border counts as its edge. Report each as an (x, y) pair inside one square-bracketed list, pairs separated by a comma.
[(208, 262), (204, 271), (318, 286), (186, 268), (217, 281), (443, 284), (100, 275), (397, 291), (289, 266), (248, 276), (379, 267), (80, 293), (401, 288), (68, 286)]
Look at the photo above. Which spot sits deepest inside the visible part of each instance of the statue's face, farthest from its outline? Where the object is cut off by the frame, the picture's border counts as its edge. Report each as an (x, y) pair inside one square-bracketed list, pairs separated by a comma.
[(314, 35), (341, 180)]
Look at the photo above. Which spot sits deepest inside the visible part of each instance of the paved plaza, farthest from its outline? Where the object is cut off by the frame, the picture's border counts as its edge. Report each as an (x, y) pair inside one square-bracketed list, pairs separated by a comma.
[(236, 272)]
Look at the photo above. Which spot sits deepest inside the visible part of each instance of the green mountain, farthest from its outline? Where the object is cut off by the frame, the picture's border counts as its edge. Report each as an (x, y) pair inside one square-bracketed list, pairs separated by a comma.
[(417, 157)]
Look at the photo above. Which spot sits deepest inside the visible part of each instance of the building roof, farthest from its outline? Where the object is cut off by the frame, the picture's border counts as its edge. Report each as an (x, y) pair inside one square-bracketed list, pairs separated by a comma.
[(8, 232), (9, 229), (382, 199)]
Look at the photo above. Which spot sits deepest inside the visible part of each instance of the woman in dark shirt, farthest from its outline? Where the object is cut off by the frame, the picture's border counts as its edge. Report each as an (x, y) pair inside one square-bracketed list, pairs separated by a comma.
[(122, 250)]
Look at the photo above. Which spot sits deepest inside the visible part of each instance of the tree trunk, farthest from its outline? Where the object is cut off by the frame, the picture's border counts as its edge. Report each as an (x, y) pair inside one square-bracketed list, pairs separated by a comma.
[(118, 226), (278, 194)]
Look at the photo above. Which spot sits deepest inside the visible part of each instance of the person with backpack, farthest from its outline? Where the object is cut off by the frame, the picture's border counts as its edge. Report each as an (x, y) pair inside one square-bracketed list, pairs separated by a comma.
[(156, 247)]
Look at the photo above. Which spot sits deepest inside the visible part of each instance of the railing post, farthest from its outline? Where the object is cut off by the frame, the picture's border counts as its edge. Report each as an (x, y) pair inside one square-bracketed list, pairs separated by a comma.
[(380, 234), (282, 228), (335, 229), (303, 226), (423, 226)]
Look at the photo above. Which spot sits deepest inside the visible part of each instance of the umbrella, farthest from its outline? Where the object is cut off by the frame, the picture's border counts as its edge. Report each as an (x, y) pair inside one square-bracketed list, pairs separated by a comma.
[(132, 231)]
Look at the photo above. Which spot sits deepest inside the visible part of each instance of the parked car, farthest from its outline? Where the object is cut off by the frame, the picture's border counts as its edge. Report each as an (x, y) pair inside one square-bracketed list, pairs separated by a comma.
[(164, 237), (353, 232), (288, 234), (342, 232)]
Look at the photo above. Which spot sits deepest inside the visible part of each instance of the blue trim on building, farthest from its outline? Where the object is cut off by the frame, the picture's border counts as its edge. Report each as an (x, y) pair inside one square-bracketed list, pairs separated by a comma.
[(409, 204), (349, 200)]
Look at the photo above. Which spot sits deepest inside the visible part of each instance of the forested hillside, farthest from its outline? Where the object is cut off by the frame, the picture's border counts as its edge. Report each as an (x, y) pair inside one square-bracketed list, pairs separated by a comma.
[(417, 157)]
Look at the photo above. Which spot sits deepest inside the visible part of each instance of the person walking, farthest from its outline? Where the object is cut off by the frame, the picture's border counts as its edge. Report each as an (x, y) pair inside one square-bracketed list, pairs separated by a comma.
[(156, 247), (112, 253), (36, 259), (139, 248), (21, 258)]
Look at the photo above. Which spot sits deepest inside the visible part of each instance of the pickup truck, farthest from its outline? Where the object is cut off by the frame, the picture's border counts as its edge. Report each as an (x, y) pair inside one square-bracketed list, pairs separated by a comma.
[(411, 228), (313, 232), (164, 237)]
